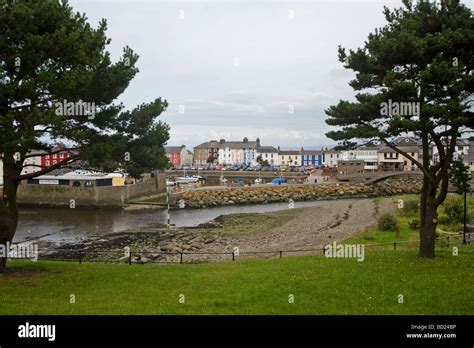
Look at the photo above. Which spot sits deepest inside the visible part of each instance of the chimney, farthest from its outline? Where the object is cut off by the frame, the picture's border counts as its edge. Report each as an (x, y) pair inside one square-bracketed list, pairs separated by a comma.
[(258, 141), (183, 147), (222, 141), (245, 140), (278, 149)]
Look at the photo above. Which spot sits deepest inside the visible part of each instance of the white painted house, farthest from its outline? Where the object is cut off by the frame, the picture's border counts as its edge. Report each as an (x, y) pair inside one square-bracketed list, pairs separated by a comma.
[(330, 158), (269, 154), (367, 154), (238, 152)]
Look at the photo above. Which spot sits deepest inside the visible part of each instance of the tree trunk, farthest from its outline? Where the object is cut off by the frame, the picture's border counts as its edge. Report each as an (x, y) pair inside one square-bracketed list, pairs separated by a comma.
[(428, 220), (8, 208)]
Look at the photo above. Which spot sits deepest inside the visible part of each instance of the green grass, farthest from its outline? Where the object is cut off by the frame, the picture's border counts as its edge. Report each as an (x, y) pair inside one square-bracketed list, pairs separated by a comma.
[(253, 223), (320, 286), (374, 235)]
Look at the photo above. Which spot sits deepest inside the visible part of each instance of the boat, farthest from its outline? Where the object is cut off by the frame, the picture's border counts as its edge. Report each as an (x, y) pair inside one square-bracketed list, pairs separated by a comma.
[(186, 179)]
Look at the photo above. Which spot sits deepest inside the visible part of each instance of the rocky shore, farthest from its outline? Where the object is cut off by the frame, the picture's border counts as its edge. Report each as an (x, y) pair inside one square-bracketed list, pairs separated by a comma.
[(205, 198)]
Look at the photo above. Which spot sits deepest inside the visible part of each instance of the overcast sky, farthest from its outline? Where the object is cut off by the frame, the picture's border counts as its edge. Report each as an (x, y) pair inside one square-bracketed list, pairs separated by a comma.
[(238, 68)]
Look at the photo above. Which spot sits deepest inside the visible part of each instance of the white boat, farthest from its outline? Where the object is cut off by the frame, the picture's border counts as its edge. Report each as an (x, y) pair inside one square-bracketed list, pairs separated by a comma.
[(186, 179)]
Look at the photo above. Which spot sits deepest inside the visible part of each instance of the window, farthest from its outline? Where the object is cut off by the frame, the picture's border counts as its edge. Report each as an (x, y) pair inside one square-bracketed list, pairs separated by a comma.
[(47, 163)]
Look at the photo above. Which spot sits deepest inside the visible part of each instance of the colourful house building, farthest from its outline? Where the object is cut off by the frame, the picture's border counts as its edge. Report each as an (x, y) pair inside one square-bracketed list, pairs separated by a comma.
[(311, 158)]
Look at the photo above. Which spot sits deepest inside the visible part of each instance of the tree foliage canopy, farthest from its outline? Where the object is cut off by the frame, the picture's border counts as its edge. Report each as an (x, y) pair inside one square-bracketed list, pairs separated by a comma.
[(414, 76), (423, 55), (51, 56)]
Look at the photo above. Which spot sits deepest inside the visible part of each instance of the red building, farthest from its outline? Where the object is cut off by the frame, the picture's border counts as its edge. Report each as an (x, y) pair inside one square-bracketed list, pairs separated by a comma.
[(174, 155), (48, 160)]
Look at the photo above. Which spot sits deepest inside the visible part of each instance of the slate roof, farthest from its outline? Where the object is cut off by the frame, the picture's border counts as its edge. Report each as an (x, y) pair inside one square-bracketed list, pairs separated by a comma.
[(172, 149), (267, 149)]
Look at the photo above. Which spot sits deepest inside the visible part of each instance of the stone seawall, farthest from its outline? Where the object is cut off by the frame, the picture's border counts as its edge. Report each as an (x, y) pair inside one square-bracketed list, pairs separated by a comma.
[(204, 198), (101, 196)]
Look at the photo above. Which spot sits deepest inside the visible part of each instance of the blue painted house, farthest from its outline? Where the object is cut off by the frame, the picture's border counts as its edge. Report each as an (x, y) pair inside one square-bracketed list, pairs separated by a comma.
[(311, 157)]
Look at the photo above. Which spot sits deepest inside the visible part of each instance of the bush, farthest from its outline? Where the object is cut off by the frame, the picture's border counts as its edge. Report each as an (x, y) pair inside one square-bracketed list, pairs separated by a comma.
[(414, 224), (388, 222), (443, 219), (454, 209), (369, 234), (411, 207)]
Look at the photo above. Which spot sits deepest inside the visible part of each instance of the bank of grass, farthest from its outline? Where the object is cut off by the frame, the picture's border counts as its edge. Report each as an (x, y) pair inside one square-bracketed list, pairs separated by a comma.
[(405, 233), (320, 286), (253, 223)]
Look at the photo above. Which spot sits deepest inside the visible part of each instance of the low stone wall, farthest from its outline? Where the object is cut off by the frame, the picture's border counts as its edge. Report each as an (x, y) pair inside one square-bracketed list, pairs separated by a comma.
[(275, 193), (98, 196)]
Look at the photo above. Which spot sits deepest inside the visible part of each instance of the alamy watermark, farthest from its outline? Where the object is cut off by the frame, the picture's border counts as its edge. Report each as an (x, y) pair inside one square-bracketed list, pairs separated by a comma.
[(19, 251), (392, 108), (345, 251), (79, 108), (37, 331)]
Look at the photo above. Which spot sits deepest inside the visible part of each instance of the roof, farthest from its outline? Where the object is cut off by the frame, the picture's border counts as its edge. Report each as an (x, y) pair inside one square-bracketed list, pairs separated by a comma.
[(398, 140), (267, 149), (240, 144), (80, 175), (172, 149), (312, 152), (209, 145), (289, 152), (387, 149), (332, 151)]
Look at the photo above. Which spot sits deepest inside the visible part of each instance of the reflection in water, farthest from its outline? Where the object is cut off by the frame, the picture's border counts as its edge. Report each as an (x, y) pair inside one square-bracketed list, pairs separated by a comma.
[(59, 225)]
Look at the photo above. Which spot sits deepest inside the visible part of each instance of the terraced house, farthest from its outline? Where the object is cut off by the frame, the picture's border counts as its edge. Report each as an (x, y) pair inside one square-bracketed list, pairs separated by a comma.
[(311, 158), (269, 154), (289, 158), (330, 157), (207, 152), (238, 152), (178, 156)]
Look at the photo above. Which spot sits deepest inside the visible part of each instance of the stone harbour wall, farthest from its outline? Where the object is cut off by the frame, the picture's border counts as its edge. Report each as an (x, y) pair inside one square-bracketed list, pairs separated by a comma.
[(204, 198)]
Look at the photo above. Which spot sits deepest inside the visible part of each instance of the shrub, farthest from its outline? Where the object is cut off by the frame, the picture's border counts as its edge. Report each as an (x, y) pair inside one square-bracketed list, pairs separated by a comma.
[(454, 209), (388, 222), (443, 219), (411, 207), (369, 234), (414, 224)]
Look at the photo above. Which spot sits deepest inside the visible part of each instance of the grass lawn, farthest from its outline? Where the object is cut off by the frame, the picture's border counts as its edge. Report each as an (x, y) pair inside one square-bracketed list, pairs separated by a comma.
[(376, 236), (320, 286), (253, 223)]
